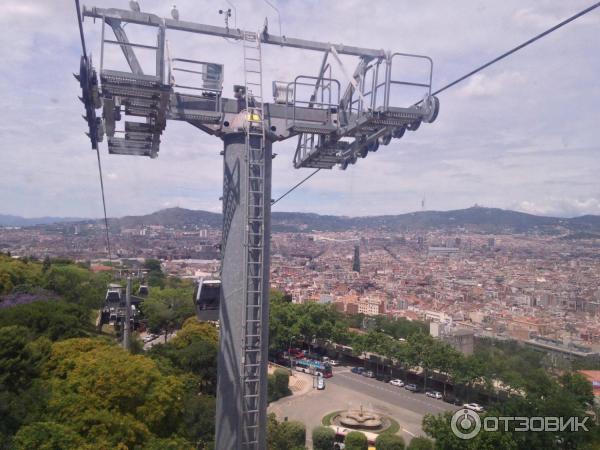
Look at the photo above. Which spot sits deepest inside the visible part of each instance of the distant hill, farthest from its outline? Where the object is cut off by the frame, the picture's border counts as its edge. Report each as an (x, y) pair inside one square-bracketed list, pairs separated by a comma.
[(475, 218), (174, 217), (16, 221)]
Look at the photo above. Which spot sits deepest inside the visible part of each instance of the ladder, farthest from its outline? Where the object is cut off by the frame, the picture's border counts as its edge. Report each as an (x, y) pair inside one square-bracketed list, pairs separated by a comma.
[(254, 242)]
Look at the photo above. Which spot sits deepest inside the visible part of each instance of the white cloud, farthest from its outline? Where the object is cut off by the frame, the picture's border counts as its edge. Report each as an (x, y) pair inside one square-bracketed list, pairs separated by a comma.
[(482, 85), (524, 130)]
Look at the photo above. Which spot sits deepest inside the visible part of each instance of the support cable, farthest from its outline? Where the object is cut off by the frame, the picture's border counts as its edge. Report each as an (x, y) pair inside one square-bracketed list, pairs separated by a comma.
[(80, 23), (104, 207), (518, 47), (294, 187), (480, 68)]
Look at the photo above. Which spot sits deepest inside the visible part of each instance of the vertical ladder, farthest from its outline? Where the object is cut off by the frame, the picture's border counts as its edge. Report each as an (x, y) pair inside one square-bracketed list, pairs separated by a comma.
[(254, 242)]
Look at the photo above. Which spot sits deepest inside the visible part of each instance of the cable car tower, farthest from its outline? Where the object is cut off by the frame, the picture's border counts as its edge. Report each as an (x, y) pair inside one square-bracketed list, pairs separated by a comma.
[(333, 128)]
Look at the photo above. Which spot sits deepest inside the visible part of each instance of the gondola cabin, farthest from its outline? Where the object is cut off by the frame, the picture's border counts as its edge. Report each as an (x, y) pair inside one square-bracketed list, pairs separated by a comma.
[(114, 295), (143, 290), (207, 294)]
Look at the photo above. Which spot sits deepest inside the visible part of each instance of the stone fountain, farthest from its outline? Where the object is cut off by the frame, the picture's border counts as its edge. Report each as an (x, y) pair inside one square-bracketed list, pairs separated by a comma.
[(359, 419)]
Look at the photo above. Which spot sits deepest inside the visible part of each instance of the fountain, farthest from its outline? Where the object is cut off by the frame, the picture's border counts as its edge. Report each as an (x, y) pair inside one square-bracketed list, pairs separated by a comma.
[(359, 419)]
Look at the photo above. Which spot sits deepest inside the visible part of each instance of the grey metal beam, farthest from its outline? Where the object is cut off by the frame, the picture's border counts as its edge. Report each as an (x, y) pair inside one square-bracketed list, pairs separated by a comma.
[(141, 18), (121, 36)]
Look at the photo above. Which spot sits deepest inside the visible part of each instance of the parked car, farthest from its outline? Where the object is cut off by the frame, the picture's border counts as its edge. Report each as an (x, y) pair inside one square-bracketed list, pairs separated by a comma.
[(368, 374), (382, 377), (434, 394), (449, 398), (473, 406), (297, 353), (397, 382), (320, 383), (411, 387), (358, 370), (334, 362)]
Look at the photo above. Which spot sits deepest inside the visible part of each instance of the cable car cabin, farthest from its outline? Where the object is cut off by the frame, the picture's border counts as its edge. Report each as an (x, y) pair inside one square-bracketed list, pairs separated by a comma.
[(207, 295), (114, 295), (143, 291)]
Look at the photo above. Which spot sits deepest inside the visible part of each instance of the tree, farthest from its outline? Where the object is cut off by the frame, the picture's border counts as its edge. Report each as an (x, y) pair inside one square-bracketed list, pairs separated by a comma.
[(438, 427), (323, 438), (155, 276), (387, 441), (579, 386), (77, 285), (287, 435), (110, 397), (47, 436), (167, 309), (54, 319), (355, 440), (420, 443), (278, 385)]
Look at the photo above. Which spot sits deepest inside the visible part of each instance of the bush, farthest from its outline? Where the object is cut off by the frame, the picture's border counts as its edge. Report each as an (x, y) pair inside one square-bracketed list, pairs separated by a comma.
[(388, 441), (278, 385), (420, 443), (323, 438), (355, 440), (285, 435)]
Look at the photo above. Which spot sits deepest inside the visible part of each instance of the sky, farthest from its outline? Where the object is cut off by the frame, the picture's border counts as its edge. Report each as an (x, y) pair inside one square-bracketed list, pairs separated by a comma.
[(523, 134)]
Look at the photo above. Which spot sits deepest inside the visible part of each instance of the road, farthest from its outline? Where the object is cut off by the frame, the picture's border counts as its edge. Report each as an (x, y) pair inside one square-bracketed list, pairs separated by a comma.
[(160, 339), (348, 390)]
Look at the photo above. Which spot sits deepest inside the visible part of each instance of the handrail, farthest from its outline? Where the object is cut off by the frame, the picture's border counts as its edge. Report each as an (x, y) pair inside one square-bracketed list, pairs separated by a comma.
[(311, 102)]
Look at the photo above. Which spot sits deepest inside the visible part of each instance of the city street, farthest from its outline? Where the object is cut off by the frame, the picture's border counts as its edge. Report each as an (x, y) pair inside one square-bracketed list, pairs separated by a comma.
[(348, 390)]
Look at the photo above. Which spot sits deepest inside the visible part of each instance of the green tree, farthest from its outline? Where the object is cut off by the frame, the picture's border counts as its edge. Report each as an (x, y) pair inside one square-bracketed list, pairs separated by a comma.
[(54, 319), (109, 396), (388, 441), (167, 309), (579, 386), (420, 443), (47, 436), (155, 276), (77, 285), (323, 438), (355, 440), (287, 435)]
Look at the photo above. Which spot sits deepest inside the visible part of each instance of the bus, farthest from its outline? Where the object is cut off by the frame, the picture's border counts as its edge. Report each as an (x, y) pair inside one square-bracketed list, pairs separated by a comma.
[(313, 366)]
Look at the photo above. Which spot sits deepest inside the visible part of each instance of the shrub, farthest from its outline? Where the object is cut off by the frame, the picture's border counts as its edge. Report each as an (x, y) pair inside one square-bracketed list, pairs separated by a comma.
[(323, 438), (388, 441), (278, 385), (355, 440), (285, 435), (420, 443)]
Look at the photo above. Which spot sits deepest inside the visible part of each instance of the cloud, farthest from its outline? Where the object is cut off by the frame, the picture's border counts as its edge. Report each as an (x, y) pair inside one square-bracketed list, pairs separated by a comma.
[(524, 130), (482, 85), (561, 207)]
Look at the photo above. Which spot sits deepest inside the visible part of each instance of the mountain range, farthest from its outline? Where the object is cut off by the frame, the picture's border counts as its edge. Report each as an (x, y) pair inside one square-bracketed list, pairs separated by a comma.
[(474, 218)]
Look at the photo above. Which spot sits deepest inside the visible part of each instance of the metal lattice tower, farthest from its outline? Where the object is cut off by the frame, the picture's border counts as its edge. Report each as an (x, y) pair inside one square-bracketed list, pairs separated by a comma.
[(334, 127)]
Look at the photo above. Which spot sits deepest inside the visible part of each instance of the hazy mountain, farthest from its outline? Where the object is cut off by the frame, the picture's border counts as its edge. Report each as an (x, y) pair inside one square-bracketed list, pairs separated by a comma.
[(174, 217), (16, 221), (475, 218)]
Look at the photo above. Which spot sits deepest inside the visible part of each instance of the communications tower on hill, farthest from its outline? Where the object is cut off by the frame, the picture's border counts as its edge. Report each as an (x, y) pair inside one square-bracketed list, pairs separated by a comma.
[(334, 125)]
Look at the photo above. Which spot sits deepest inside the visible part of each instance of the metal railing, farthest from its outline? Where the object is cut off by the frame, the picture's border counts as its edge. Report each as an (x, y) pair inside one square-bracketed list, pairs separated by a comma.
[(323, 96)]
